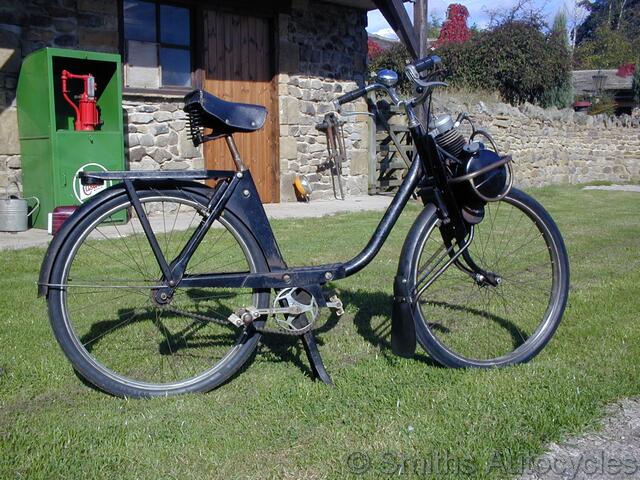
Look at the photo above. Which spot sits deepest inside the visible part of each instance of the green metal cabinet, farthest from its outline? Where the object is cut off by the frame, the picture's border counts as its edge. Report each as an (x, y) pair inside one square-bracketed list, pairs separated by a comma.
[(52, 152)]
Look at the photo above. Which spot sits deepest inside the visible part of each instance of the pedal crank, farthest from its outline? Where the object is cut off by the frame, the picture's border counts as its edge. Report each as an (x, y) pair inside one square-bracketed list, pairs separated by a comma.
[(247, 315), (335, 303), (288, 305)]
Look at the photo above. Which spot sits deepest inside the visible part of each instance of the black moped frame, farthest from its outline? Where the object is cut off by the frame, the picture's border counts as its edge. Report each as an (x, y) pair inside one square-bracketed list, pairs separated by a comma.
[(236, 192)]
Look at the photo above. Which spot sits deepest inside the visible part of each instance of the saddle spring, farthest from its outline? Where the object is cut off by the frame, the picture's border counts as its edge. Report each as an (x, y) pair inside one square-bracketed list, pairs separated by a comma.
[(196, 126)]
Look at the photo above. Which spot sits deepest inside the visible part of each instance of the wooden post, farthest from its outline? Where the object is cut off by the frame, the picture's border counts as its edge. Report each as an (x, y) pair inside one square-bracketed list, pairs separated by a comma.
[(420, 23)]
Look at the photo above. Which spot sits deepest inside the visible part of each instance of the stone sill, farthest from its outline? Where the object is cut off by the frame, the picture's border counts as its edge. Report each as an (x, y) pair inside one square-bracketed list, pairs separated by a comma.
[(153, 94)]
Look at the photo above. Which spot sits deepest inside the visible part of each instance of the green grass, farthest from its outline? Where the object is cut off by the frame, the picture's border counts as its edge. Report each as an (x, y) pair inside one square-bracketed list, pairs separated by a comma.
[(272, 421)]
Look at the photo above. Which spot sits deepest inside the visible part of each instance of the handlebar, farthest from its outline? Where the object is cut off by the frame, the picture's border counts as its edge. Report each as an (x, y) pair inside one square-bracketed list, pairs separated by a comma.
[(418, 66), (351, 96), (427, 63)]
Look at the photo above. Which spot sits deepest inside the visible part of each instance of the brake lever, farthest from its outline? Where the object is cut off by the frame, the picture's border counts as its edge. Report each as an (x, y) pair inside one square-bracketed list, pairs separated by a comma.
[(429, 85), (414, 76)]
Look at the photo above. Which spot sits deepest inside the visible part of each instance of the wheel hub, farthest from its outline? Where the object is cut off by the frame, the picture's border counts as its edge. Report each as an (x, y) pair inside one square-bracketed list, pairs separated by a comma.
[(162, 296), (488, 279)]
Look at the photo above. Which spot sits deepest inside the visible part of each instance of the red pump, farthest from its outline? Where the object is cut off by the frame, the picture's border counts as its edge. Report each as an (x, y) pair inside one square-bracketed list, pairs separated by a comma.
[(87, 114)]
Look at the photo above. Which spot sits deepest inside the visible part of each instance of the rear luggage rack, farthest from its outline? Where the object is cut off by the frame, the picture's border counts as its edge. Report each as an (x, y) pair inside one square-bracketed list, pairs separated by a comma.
[(98, 178)]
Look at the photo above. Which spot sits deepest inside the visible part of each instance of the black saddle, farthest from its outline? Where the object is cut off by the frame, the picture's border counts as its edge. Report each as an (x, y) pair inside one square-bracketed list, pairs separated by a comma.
[(224, 118)]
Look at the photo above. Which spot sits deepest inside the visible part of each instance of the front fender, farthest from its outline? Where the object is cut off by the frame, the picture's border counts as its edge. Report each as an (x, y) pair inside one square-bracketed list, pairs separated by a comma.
[(87, 208), (403, 330)]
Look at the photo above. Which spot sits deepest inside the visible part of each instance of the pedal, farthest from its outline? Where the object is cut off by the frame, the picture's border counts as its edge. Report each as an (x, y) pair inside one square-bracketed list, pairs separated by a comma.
[(244, 316), (335, 303)]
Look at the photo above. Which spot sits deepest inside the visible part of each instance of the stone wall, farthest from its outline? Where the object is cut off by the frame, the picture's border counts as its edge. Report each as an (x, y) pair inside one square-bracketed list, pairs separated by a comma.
[(322, 54), (157, 136), (558, 146), (26, 26)]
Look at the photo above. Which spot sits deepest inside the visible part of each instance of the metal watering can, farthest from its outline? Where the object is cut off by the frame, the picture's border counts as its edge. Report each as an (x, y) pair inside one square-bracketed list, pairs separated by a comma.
[(14, 213)]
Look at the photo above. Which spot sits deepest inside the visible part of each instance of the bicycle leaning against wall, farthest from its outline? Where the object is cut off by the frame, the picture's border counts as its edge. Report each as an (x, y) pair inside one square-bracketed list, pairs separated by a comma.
[(162, 285)]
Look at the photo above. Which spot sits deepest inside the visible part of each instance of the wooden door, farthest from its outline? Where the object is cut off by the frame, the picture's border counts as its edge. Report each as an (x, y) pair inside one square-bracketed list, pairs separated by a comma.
[(239, 64)]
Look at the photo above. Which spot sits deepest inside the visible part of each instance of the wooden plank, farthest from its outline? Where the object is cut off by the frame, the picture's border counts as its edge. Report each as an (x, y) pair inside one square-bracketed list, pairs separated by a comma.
[(420, 22), (394, 148), (240, 68), (398, 165), (390, 183)]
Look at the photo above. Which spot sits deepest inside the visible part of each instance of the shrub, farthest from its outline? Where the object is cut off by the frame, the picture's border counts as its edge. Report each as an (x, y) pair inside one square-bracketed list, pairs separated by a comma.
[(465, 65), (516, 59), (605, 104), (373, 48), (561, 96), (394, 58)]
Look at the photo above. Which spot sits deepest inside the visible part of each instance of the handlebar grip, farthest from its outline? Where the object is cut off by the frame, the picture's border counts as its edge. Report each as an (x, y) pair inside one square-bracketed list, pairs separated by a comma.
[(427, 63), (351, 96)]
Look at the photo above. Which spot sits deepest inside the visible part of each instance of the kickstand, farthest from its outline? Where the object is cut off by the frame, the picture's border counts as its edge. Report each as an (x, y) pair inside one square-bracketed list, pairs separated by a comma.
[(315, 360), (309, 343)]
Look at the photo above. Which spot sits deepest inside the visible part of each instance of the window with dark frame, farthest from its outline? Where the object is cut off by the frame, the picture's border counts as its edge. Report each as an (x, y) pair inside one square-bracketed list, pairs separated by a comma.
[(157, 45)]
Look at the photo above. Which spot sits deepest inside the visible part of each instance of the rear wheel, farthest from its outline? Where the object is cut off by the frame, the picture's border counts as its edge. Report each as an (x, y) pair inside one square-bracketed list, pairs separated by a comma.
[(104, 315), (509, 313)]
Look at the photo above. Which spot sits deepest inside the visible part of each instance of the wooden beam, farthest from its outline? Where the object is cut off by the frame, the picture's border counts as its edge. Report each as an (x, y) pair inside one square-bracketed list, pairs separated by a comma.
[(398, 18), (421, 24)]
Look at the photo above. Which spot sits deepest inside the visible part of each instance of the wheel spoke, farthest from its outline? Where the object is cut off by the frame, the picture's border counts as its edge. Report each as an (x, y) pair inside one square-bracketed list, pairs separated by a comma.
[(111, 297), (481, 323)]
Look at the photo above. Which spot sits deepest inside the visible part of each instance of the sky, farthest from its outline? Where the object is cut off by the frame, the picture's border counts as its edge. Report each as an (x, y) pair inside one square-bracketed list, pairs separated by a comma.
[(477, 12)]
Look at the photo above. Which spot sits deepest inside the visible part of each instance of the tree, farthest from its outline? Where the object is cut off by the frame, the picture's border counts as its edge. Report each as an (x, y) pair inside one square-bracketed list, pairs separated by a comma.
[(576, 15), (608, 48), (559, 28), (525, 11), (561, 94), (434, 27), (455, 27), (617, 15)]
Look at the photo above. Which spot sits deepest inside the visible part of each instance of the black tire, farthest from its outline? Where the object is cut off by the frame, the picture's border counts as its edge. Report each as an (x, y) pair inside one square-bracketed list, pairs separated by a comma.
[(109, 327), (466, 322)]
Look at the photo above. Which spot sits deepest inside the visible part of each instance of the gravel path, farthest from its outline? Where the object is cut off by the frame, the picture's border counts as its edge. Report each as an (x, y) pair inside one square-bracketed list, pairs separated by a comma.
[(620, 188), (315, 208), (612, 453)]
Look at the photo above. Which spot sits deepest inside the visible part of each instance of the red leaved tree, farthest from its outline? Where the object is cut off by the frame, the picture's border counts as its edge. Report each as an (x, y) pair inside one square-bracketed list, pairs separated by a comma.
[(626, 70), (455, 29), (373, 48)]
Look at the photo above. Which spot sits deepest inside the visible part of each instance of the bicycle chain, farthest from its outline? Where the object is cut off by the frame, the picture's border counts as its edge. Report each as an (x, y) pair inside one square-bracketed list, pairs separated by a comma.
[(275, 331)]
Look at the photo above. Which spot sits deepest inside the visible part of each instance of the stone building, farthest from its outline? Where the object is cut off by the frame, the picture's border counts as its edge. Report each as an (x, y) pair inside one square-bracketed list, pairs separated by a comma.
[(293, 56)]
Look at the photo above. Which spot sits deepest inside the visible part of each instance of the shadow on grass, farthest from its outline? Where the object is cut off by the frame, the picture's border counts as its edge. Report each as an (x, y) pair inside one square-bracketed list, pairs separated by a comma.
[(378, 304), (368, 305), (283, 348), (518, 335)]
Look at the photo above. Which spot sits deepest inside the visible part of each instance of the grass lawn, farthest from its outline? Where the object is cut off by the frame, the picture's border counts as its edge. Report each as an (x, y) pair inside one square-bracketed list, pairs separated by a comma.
[(272, 421)]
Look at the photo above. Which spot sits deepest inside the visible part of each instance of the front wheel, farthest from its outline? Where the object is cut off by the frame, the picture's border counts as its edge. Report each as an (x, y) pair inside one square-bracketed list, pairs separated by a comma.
[(506, 308), (105, 315)]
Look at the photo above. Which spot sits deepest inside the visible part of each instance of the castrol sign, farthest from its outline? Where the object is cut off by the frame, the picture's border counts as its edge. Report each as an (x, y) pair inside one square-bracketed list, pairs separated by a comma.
[(82, 192)]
